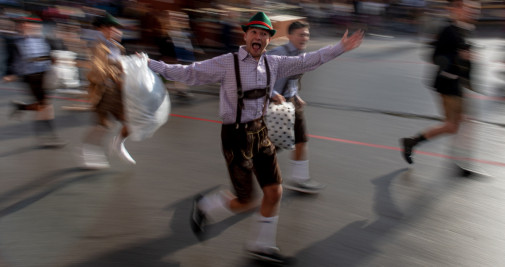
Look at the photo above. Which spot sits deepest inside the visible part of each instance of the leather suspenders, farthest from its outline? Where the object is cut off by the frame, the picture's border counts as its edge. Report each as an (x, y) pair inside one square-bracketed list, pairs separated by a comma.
[(250, 94)]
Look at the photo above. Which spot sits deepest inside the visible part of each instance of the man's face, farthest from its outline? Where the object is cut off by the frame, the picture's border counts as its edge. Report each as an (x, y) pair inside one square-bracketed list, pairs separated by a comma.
[(467, 12), (472, 12), (256, 40), (31, 29), (299, 38), (111, 32)]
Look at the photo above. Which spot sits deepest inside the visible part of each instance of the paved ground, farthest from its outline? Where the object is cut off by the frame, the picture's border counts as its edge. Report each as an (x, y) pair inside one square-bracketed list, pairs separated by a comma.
[(375, 211)]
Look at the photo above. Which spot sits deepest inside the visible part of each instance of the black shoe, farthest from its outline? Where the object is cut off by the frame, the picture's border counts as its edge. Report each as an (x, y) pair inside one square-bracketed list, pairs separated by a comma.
[(198, 219), (466, 173), (408, 144), (272, 256), (472, 172)]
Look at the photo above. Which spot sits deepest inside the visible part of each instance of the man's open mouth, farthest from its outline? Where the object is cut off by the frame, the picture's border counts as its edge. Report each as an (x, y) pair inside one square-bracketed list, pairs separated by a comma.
[(256, 45)]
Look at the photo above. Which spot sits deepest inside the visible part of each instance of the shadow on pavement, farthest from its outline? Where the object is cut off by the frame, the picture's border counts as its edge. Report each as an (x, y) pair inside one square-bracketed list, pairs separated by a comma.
[(151, 253), (41, 182)]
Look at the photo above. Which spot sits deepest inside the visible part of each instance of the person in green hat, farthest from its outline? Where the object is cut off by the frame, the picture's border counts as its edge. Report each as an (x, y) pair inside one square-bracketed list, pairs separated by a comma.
[(105, 93), (247, 78), (259, 37), (109, 33)]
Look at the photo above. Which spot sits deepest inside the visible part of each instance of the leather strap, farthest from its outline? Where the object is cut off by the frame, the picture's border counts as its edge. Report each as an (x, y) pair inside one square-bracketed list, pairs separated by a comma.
[(255, 93), (240, 93), (251, 94)]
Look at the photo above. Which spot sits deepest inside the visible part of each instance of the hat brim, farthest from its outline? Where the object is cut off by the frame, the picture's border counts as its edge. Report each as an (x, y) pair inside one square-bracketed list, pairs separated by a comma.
[(27, 19), (245, 28), (106, 22)]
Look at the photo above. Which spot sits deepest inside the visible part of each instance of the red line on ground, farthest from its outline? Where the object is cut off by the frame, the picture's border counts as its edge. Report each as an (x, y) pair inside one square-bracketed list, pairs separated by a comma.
[(194, 118), (486, 97), (399, 149), (352, 142), (496, 163)]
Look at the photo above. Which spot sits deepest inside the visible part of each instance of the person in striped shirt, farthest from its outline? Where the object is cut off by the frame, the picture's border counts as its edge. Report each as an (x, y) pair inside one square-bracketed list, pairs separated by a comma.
[(247, 78)]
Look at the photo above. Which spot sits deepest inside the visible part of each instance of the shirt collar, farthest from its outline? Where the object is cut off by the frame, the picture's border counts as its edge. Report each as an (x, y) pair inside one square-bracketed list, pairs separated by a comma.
[(102, 38), (243, 54), (291, 48)]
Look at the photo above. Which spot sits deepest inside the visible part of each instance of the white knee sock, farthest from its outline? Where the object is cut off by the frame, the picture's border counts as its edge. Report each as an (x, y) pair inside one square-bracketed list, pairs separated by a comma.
[(299, 170), (216, 207), (264, 233), (96, 135)]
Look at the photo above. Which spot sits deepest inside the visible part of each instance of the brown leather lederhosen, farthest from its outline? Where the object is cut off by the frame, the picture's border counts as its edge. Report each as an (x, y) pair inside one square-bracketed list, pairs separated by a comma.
[(246, 146)]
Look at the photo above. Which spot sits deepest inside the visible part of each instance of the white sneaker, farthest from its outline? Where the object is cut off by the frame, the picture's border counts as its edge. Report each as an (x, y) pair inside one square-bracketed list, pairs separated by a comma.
[(119, 149), (309, 186), (271, 256), (52, 142), (94, 158)]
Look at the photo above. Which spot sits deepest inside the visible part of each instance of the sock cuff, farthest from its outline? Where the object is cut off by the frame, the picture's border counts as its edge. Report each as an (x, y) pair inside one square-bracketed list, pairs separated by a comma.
[(262, 219), (421, 137)]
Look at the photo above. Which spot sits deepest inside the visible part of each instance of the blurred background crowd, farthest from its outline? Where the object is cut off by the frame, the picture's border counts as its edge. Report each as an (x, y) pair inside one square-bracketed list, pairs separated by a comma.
[(184, 31)]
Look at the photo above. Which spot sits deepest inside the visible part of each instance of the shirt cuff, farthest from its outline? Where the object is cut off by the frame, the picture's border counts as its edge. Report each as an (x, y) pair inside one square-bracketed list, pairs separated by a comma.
[(156, 66), (338, 49)]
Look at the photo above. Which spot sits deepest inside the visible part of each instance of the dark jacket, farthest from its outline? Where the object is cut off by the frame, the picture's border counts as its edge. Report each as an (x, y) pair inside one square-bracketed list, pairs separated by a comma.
[(451, 67)]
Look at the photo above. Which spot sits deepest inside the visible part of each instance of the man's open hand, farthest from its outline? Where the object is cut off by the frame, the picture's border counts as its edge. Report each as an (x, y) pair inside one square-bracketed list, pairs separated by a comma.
[(353, 41)]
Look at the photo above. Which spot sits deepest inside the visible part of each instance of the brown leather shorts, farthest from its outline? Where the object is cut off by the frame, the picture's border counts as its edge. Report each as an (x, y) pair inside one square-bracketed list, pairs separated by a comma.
[(300, 128), (247, 151), (111, 102)]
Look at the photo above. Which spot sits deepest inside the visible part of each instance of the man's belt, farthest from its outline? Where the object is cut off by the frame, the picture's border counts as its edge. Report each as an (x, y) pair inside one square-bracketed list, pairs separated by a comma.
[(255, 93), (37, 59)]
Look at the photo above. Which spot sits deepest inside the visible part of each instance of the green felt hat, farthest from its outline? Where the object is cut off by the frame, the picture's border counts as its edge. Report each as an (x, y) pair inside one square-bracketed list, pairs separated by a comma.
[(106, 21), (260, 20)]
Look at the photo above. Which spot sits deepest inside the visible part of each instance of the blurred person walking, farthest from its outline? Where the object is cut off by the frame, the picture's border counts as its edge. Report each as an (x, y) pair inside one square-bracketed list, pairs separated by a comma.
[(184, 43), (29, 57), (105, 92), (246, 78), (287, 89), (452, 57)]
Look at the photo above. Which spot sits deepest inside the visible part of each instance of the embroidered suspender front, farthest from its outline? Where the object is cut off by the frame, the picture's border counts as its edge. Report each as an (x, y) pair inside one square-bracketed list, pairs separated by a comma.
[(251, 94)]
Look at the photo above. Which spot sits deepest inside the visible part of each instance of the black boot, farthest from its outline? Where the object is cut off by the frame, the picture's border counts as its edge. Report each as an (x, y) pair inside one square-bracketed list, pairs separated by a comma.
[(408, 145)]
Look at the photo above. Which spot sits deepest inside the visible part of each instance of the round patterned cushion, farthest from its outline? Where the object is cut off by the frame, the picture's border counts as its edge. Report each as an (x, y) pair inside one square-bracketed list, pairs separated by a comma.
[(280, 121)]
